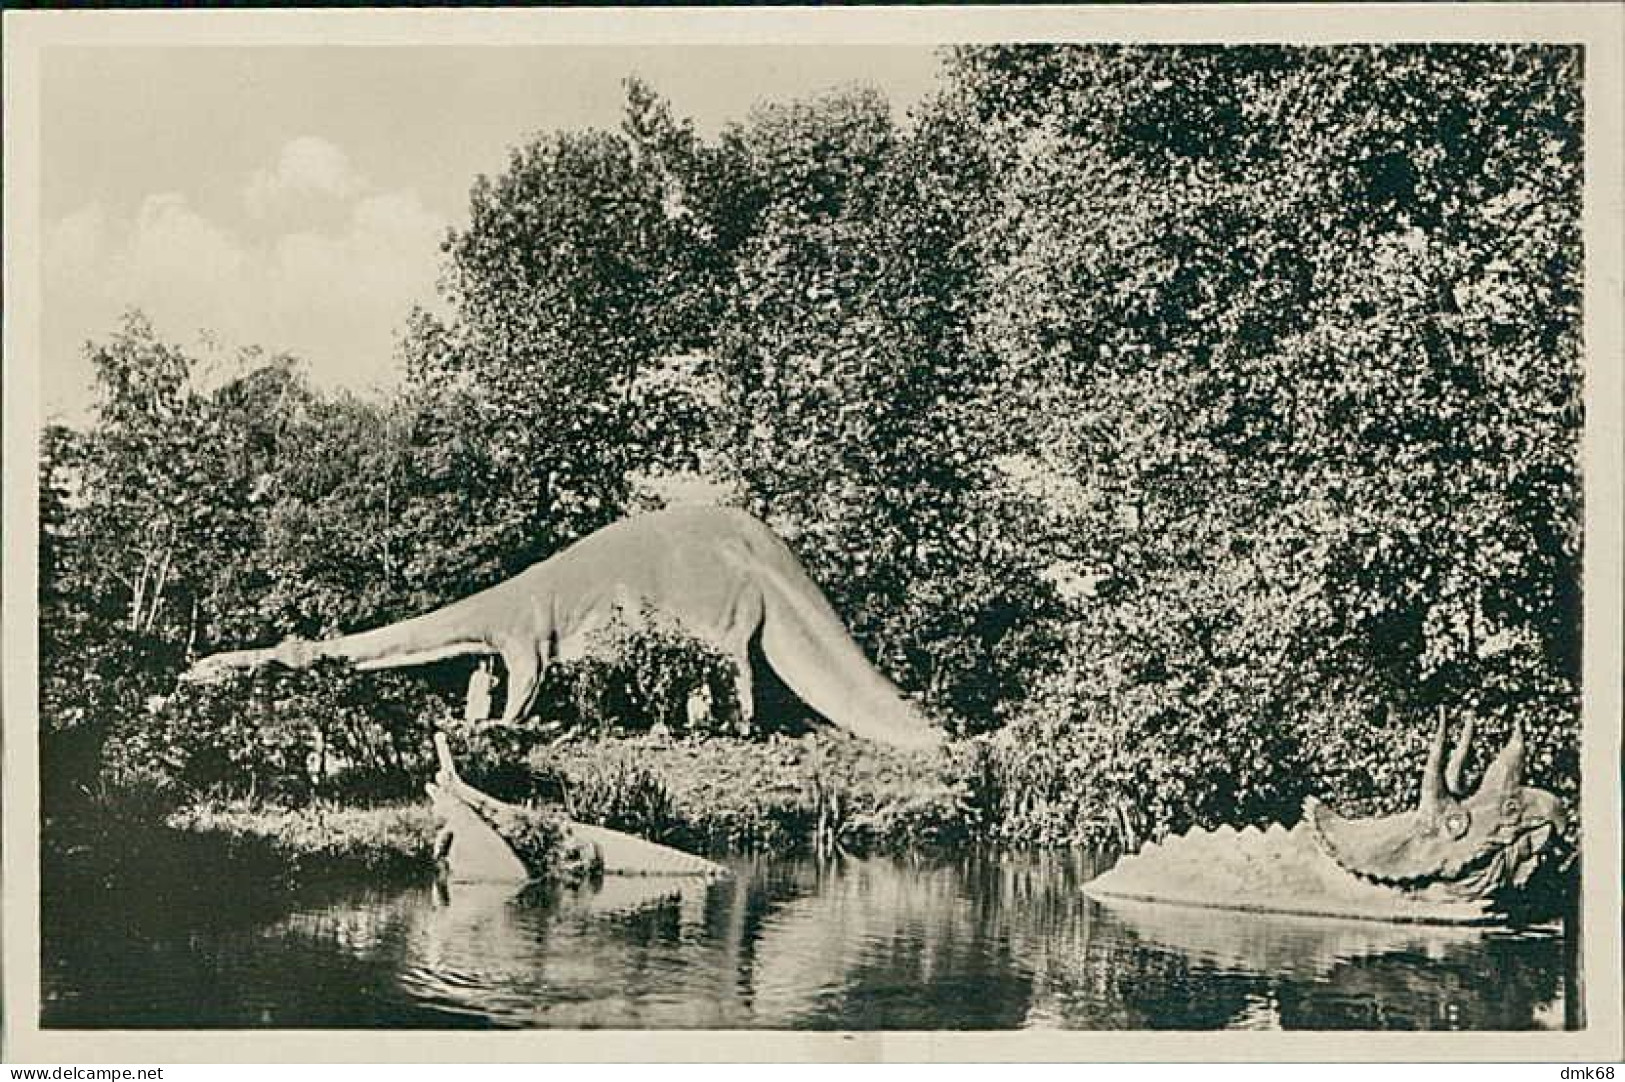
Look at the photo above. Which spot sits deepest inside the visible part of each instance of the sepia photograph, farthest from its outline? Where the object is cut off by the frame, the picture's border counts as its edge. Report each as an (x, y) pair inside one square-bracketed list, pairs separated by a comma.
[(989, 530)]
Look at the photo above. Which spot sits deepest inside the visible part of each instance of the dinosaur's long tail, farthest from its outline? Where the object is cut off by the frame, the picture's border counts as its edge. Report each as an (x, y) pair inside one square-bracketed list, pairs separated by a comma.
[(810, 649)]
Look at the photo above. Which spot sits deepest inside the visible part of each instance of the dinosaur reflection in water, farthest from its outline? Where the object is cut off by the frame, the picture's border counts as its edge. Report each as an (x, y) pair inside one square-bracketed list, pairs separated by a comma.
[(983, 941)]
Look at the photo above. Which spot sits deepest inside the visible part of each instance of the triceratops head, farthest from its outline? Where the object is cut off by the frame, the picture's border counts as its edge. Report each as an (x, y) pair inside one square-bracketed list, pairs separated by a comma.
[(1474, 846)]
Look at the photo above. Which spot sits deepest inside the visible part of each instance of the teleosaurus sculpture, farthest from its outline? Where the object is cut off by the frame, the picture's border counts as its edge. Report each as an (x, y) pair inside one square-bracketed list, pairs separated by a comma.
[(475, 848), (720, 573)]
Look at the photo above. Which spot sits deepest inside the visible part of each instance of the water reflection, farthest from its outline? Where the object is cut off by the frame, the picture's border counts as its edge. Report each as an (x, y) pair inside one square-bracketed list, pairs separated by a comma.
[(982, 941)]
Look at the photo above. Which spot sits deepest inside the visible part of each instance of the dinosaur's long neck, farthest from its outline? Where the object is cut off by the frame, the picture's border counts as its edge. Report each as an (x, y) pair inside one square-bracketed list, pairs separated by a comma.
[(463, 627), (455, 630)]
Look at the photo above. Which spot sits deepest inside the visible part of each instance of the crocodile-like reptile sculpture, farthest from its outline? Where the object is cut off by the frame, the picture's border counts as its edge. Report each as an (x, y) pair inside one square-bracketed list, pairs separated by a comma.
[(721, 574), (1458, 858), (476, 843)]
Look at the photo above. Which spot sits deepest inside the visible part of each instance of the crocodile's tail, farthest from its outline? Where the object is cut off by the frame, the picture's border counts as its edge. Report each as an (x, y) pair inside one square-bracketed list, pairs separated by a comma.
[(809, 648), (628, 854)]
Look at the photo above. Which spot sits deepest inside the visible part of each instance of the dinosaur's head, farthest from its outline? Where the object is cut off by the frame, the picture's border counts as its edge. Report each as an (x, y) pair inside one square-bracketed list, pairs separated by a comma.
[(290, 653), (215, 668), (294, 653), (1473, 845)]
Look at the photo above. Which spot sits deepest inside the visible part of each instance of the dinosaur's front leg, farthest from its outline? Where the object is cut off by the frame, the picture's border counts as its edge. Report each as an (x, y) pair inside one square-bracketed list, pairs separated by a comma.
[(744, 622), (525, 665), (745, 690)]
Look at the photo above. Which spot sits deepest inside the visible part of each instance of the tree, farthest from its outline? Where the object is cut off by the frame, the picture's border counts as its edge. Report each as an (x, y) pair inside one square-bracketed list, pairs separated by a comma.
[(1258, 306), (849, 389), (1208, 415), (571, 283), (121, 507)]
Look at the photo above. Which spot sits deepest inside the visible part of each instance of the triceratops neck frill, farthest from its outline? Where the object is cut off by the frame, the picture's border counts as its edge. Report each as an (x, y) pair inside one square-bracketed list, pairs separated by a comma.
[(1393, 850)]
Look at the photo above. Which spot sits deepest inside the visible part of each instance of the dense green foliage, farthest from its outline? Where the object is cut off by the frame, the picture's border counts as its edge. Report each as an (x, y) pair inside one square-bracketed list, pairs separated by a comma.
[(1196, 421), (777, 795), (281, 735), (318, 839), (641, 672), (1311, 389)]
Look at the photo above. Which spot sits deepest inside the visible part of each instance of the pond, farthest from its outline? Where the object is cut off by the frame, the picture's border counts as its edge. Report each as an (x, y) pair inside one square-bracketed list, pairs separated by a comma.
[(979, 940)]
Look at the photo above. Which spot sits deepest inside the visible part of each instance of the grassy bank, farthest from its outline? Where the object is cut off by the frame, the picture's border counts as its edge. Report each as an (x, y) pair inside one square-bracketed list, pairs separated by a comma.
[(704, 794), (320, 839), (781, 794), (234, 863)]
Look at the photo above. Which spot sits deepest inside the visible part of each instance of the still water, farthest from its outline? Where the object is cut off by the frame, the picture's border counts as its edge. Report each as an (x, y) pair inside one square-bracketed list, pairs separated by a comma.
[(993, 940)]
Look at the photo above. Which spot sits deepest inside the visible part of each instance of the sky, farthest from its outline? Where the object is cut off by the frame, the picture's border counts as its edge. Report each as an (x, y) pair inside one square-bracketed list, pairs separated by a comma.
[(295, 197)]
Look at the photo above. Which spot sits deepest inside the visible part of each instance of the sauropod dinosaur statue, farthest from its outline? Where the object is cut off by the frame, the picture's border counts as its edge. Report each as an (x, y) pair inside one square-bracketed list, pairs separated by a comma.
[(721, 574)]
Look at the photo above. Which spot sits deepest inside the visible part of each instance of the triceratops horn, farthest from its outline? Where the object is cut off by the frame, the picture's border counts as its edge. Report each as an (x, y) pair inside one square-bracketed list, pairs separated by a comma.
[(1433, 772), (1458, 760), (1505, 774)]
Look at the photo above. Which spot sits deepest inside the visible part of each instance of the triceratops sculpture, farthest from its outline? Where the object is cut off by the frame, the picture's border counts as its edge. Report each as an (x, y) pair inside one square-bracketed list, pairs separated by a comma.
[(1458, 858)]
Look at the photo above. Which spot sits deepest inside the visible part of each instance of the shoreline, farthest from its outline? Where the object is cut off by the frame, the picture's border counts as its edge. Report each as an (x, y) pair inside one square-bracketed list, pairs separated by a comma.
[(710, 796)]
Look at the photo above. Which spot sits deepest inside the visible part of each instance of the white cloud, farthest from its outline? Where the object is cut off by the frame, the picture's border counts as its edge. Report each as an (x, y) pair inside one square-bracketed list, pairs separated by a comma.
[(334, 296), (179, 265), (185, 272), (74, 242), (355, 285), (308, 166)]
